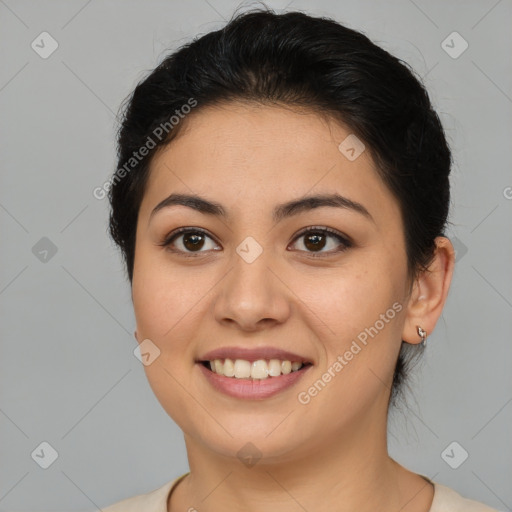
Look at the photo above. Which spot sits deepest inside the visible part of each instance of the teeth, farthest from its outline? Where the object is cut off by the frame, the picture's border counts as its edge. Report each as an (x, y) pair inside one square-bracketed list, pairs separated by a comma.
[(227, 369), (296, 366), (218, 367), (286, 367), (274, 367), (242, 369), (260, 369)]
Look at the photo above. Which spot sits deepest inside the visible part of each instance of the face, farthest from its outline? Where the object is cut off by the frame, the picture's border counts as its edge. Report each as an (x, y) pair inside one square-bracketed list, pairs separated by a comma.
[(259, 279)]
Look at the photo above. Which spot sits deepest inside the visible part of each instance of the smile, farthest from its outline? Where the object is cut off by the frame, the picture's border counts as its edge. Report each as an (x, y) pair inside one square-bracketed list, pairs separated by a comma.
[(243, 386), (260, 369)]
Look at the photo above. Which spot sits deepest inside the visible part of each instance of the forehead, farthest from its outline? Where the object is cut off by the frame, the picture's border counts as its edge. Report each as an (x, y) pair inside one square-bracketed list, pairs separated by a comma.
[(250, 153)]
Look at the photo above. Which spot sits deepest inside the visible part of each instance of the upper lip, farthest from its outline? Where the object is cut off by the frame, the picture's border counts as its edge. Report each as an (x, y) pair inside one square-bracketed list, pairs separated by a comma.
[(253, 354)]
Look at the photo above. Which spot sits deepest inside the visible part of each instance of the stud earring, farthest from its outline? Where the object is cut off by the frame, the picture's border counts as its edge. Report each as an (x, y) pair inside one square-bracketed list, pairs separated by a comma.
[(423, 335)]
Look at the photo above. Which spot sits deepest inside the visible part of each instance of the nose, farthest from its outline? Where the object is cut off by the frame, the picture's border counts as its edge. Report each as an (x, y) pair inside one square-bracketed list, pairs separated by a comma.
[(252, 296)]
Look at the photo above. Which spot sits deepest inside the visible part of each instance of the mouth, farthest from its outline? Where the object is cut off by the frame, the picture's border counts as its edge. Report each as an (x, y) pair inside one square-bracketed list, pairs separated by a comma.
[(256, 374), (260, 369)]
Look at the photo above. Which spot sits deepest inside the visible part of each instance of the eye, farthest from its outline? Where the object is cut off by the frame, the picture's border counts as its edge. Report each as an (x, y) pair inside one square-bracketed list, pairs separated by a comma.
[(315, 238), (190, 241)]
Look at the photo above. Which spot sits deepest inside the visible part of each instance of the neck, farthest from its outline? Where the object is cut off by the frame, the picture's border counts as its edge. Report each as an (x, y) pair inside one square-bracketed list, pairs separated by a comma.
[(352, 471)]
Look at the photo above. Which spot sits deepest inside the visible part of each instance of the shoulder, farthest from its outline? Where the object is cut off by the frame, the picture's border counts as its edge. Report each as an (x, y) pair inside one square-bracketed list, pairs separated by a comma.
[(154, 501), (449, 500)]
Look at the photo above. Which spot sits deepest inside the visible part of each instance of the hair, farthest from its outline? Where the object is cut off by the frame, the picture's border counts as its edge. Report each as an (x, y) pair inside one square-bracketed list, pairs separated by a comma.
[(297, 60)]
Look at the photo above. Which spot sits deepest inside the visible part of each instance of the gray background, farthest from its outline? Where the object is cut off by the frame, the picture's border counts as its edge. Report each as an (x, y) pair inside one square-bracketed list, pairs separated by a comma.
[(67, 371)]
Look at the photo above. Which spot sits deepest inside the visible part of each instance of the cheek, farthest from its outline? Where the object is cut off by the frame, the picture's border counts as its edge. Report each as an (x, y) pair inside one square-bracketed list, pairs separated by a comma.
[(165, 314), (346, 300), (360, 314), (161, 298), (359, 304)]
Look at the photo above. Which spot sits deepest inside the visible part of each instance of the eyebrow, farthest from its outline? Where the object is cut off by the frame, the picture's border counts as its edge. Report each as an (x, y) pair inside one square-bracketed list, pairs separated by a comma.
[(279, 213)]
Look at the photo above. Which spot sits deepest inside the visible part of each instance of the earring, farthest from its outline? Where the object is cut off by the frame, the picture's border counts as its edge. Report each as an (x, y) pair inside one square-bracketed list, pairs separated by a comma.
[(423, 335)]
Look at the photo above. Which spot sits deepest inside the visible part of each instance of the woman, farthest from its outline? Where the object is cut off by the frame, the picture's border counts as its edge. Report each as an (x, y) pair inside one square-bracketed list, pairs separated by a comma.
[(280, 203)]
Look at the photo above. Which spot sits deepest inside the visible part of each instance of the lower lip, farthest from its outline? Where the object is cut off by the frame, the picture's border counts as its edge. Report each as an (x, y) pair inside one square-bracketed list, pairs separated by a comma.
[(255, 389)]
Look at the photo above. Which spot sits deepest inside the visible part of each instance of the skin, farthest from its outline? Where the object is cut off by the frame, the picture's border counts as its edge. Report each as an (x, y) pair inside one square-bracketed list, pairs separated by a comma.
[(250, 158)]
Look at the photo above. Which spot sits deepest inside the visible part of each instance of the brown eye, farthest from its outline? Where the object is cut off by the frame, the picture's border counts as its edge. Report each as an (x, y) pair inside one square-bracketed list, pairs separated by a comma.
[(193, 241), (314, 240), (188, 241)]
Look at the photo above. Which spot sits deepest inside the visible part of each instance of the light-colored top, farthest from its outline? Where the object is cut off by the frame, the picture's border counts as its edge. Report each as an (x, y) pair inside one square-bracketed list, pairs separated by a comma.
[(445, 500)]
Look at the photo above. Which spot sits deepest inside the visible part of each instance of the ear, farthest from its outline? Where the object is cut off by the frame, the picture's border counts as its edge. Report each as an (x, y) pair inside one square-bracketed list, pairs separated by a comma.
[(136, 336), (429, 292)]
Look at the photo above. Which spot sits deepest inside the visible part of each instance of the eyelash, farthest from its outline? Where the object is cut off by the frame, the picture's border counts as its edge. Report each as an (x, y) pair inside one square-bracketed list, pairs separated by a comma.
[(169, 239)]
